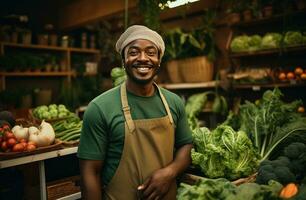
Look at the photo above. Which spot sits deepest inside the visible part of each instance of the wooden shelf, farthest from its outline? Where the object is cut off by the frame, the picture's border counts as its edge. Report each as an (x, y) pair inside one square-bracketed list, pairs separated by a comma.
[(177, 86), (55, 48), (257, 87), (79, 50), (274, 18), (68, 73), (269, 51), (37, 157)]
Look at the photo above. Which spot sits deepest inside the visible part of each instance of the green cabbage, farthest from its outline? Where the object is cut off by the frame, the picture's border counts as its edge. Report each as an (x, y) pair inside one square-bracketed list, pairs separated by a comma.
[(240, 43), (255, 42), (224, 153), (271, 40), (293, 38)]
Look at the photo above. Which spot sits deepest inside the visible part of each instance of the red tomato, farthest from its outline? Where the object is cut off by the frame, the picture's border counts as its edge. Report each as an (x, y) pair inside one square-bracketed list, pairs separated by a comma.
[(4, 146), (6, 127), (8, 135), (30, 147), (1, 138), (11, 142)]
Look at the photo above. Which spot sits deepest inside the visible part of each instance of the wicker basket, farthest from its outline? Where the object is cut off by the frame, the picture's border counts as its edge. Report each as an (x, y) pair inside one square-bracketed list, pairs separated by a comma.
[(197, 69), (63, 187), (173, 71)]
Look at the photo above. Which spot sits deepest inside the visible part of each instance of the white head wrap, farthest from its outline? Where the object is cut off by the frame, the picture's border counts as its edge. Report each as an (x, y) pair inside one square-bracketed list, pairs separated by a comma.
[(136, 32)]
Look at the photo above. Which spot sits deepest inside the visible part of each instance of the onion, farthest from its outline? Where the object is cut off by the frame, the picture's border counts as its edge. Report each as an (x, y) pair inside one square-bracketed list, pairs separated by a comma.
[(43, 136), (20, 132)]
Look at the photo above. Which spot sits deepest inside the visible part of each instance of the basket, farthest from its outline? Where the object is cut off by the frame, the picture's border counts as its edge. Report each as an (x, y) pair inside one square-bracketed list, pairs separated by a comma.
[(173, 71), (191, 179), (197, 69), (63, 187)]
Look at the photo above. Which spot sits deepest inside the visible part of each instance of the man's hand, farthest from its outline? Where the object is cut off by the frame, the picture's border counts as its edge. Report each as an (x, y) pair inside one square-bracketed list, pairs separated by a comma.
[(157, 185)]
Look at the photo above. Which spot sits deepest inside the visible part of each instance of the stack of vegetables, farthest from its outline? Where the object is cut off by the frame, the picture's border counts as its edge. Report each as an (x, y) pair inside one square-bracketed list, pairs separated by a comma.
[(224, 152), (52, 111), (244, 43), (19, 139), (268, 137), (68, 130)]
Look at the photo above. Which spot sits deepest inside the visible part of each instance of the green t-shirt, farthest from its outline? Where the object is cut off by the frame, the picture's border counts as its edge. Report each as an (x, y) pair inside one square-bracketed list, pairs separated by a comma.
[(102, 136)]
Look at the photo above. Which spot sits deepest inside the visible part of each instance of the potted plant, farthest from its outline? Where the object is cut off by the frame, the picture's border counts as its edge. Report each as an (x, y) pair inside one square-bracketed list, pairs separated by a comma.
[(248, 8), (234, 10), (267, 7), (26, 36), (189, 54)]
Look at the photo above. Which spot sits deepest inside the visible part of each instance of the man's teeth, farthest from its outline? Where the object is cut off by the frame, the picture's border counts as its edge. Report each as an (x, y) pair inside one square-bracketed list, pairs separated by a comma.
[(143, 69)]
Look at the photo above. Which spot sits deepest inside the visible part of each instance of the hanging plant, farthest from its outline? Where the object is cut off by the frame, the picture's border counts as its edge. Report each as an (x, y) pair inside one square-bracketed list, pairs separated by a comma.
[(151, 9)]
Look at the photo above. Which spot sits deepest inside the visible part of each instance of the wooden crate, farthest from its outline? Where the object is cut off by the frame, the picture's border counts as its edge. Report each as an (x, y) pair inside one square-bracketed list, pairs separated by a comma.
[(63, 187)]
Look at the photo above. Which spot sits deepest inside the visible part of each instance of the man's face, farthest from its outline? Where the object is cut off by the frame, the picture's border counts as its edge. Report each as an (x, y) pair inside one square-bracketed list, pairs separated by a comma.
[(141, 61)]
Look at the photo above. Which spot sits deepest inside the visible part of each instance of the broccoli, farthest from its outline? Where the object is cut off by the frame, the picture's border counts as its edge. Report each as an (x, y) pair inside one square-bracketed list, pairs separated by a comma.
[(278, 170), (284, 175), (294, 150)]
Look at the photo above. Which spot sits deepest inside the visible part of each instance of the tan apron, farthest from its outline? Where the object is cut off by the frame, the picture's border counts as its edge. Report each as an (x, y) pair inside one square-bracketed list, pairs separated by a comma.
[(148, 146)]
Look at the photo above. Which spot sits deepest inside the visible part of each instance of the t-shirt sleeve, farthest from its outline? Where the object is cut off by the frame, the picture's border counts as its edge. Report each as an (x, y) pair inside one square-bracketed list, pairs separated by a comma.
[(183, 134), (93, 138)]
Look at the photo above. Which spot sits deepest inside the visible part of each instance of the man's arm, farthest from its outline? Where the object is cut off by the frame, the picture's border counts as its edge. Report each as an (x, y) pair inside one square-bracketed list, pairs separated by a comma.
[(90, 171), (158, 184)]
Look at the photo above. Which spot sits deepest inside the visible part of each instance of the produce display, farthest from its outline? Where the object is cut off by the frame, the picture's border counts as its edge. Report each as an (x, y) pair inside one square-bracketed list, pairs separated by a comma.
[(287, 168), (270, 122), (68, 129), (224, 152), (222, 189), (245, 43), (52, 111)]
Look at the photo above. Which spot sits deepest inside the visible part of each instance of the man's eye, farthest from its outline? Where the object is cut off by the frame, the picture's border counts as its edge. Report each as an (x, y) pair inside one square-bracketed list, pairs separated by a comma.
[(133, 53), (151, 53)]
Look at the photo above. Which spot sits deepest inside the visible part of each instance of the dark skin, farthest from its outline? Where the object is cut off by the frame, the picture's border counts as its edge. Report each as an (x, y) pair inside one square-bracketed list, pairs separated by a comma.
[(141, 61)]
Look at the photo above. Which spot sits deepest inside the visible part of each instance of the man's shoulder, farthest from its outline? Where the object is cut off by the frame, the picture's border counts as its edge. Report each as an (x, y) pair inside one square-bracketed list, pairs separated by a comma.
[(170, 95), (107, 96)]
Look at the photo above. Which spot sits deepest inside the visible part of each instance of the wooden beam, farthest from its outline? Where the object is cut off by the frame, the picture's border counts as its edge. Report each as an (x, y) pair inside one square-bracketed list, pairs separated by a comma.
[(76, 13)]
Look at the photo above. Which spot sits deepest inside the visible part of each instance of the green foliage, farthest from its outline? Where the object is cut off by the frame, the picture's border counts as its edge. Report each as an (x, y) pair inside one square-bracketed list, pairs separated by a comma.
[(293, 38), (271, 40), (118, 75), (224, 153), (287, 168), (151, 9), (222, 189), (271, 122), (199, 41)]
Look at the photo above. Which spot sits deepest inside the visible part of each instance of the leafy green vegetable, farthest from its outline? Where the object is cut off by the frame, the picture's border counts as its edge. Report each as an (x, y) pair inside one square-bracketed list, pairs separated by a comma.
[(118, 75), (224, 153), (271, 121), (271, 40), (293, 38), (222, 189), (206, 189), (194, 105), (240, 43)]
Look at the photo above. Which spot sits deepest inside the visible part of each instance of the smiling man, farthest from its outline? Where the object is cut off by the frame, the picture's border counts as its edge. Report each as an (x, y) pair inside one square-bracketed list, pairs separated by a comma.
[(135, 138)]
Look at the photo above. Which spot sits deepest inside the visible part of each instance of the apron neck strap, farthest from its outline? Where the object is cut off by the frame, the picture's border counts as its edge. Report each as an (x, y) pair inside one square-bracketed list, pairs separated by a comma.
[(127, 111), (165, 103)]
